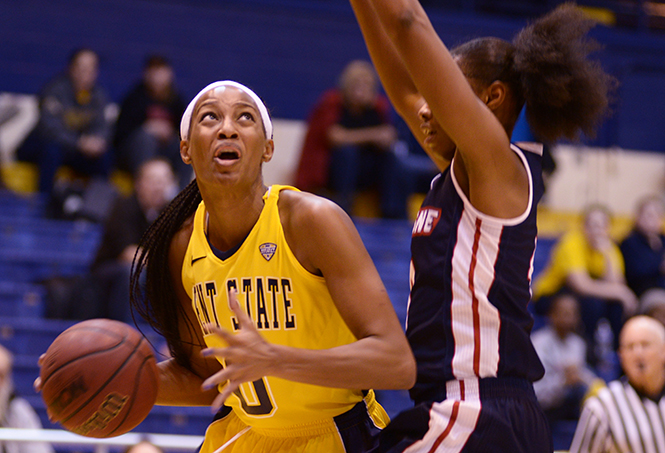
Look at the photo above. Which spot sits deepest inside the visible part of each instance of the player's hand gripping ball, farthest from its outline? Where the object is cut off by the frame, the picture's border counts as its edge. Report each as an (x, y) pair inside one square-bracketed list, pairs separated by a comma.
[(99, 378)]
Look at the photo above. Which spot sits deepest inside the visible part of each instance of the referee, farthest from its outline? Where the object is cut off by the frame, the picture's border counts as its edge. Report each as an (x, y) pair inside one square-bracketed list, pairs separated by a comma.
[(628, 415)]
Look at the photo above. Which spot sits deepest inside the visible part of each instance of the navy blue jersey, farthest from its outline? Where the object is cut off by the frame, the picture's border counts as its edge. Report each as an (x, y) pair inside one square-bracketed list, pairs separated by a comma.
[(470, 287)]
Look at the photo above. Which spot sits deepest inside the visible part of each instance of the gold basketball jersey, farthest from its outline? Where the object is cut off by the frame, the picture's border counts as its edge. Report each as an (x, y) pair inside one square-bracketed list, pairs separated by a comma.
[(289, 306)]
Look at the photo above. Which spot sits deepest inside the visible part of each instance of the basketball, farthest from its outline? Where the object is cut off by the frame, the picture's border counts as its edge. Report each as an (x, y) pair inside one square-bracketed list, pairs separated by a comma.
[(99, 378)]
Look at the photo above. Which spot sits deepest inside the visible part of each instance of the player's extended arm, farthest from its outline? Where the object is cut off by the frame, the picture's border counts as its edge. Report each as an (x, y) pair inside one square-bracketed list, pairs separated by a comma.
[(394, 75), (498, 177), (436, 75)]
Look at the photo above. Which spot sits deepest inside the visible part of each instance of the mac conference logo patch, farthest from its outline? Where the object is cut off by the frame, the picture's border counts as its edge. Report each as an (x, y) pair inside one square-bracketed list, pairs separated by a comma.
[(267, 250)]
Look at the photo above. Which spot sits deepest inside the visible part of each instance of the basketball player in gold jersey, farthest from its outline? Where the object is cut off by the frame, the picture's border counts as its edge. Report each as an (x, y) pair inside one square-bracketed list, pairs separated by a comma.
[(271, 306)]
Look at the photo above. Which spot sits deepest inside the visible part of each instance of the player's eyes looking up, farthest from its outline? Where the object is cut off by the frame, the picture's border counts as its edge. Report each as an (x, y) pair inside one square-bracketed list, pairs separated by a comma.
[(247, 115), (208, 115), (213, 116)]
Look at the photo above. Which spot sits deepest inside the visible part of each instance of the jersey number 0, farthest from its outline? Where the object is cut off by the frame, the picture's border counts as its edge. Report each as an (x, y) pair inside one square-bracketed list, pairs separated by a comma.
[(255, 398)]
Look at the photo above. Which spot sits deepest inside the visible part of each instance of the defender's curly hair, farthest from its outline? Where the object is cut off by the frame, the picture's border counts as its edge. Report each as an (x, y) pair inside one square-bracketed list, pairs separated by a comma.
[(548, 69), (157, 302)]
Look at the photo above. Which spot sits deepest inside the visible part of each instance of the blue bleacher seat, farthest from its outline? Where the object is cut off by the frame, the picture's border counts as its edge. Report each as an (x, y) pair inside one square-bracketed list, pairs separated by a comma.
[(35, 249), (26, 371), (21, 206), (543, 251), (394, 401), (30, 336), (388, 242), (21, 299), (562, 434)]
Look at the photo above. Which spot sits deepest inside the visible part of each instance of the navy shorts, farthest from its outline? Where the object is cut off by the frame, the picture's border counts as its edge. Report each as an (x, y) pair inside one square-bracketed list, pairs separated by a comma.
[(493, 415)]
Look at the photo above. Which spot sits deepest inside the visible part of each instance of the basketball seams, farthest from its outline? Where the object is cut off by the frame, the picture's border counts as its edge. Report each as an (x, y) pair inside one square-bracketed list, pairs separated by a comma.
[(132, 399), (95, 370), (75, 329), (103, 386)]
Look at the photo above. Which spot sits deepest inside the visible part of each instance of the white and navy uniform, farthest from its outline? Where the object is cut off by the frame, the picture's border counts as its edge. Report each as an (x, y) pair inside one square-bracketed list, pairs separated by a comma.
[(618, 419), (469, 327)]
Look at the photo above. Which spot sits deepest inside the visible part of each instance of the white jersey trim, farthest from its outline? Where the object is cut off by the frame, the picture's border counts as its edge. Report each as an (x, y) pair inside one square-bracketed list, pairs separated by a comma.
[(507, 222), (450, 426)]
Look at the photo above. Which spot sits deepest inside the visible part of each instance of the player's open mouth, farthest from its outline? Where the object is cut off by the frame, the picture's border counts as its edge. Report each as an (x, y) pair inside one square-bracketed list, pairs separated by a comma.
[(227, 155), (227, 151)]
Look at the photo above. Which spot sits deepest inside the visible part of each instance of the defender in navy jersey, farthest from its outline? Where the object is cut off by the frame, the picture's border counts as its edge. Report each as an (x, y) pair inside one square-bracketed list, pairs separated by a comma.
[(470, 287), (475, 235)]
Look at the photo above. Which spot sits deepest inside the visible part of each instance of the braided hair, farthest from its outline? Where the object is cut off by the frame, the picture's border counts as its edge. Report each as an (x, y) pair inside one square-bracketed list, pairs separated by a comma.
[(156, 301), (546, 67)]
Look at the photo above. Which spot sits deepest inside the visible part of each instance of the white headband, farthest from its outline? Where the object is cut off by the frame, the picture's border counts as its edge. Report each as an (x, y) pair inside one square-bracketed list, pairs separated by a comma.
[(187, 116)]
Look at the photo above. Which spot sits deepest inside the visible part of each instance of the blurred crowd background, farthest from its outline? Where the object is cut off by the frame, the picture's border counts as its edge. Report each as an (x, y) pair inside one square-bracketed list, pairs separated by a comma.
[(295, 54)]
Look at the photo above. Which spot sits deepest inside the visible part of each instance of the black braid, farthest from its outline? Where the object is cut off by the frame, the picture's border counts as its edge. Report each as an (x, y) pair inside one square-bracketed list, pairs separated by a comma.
[(157, 302)]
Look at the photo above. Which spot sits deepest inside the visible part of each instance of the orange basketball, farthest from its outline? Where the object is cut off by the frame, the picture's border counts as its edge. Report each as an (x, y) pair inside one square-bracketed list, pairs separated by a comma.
[(99, 378)]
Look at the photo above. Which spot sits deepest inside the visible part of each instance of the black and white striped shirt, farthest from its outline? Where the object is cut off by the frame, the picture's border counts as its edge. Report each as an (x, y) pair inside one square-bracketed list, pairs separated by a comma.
[(618, 419)]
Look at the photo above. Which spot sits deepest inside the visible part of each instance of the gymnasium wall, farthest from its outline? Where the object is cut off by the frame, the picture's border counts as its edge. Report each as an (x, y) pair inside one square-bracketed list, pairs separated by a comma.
[(290, 51), (615, 177)]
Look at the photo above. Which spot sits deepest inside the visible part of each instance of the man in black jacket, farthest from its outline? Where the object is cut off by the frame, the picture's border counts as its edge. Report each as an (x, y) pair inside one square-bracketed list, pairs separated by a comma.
[(104, 291)]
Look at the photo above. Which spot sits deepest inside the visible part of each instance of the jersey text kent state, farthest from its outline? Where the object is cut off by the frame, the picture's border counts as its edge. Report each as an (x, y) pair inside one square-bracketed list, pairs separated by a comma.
[(267, 301)]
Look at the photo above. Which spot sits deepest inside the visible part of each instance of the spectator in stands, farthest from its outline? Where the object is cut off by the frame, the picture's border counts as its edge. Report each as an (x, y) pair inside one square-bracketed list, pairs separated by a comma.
[(644, 248), (148, 122), (563, 354), (349, 143), (72, 129), (626, 415), (589, 264), (104, 291), (108, 283), (16, 412)]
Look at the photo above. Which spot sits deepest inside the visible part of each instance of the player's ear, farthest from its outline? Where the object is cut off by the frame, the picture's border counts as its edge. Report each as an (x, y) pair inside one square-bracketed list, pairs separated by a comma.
[(184, 152), (495, 94), (268, 150)]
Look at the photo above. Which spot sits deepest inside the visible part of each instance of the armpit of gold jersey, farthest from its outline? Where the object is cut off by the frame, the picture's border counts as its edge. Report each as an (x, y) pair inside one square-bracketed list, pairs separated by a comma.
[(289, 305)]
